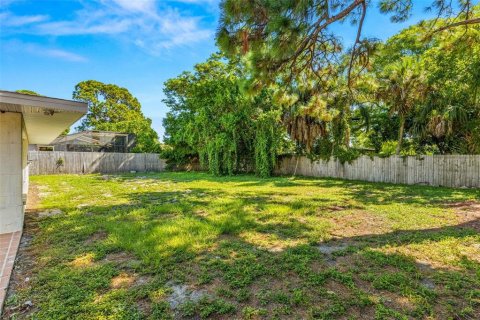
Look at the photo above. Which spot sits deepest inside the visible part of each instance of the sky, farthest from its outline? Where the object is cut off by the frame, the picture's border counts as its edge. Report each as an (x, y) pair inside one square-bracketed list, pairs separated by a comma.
[(49, 46)]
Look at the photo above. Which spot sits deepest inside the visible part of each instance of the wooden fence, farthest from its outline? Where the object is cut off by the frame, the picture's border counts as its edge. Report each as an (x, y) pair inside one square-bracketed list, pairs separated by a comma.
[(55, 162), (439, 170)]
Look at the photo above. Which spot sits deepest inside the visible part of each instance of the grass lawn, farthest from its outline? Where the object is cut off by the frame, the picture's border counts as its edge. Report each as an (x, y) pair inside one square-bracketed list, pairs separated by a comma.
[(190, 245)]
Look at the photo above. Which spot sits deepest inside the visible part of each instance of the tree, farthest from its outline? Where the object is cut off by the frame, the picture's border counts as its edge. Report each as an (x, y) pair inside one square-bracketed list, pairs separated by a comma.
[(448, 118), (402, 86), (113, 108), (289, 45), (415, 93), (451, 116), (316, 111), (286, 38), (29, 92), (212, 118)]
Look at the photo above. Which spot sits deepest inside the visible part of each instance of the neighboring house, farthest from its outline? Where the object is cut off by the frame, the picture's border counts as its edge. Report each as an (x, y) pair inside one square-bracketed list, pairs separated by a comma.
[(24, 120), (91, 141)]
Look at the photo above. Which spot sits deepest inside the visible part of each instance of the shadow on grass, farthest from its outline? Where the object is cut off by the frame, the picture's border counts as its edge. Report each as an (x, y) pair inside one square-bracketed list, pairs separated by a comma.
[(183, 235), (364, 192), (182, 223), (177, 233)]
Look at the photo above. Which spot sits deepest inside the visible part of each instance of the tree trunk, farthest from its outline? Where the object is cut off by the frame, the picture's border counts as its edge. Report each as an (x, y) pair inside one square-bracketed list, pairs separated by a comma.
[(400, 134), (346, 140)]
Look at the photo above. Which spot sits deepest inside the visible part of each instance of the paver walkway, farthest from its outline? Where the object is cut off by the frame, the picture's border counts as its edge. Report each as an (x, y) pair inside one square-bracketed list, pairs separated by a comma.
[(9, 243)]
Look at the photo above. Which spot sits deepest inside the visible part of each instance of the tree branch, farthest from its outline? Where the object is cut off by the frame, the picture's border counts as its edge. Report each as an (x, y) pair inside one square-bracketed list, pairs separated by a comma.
[(319, 26), (357, 40), (459, 23)]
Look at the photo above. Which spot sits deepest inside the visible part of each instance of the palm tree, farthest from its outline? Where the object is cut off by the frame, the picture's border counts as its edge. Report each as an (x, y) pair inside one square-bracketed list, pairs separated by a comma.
[(402, 86)]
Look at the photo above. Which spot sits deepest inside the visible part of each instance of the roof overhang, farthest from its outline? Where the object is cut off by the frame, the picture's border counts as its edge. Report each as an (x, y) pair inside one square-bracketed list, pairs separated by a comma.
[(44, 118)]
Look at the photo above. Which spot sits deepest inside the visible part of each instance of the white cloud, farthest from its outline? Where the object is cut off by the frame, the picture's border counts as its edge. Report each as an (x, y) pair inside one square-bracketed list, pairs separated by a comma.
[(136, 5), (66, 28), (152, 26), (169, 31), (11, 20), (35, 49), (64, 55)]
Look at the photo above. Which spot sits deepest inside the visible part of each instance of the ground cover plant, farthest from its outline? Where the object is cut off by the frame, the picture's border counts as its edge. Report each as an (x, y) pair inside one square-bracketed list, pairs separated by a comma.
[(192, 245)]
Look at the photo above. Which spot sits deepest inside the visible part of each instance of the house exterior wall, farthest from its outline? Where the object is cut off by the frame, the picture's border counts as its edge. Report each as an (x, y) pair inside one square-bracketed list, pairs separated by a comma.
[(11, 172), (25, 170)]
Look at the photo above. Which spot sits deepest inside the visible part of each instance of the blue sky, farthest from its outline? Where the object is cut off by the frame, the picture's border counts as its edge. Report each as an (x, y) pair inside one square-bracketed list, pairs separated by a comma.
[(49, 46)]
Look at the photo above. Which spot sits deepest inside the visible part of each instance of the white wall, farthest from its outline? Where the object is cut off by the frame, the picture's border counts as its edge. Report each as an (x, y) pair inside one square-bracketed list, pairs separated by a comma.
[(11, 177)]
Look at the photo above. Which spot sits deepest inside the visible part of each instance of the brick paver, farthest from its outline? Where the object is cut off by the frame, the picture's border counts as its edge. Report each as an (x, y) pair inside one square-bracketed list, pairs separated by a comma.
[(9, 243)]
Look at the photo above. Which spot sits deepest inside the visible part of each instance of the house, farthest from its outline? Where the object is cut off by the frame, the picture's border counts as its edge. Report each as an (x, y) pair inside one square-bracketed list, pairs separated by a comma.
[(91, 141), (26, 119)]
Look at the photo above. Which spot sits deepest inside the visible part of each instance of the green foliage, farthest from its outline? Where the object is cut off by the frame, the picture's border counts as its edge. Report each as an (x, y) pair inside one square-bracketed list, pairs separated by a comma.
[(388, 148), (345, 154), (212, 118), (417, 93), (283, 39), (401, 87), (112, 108), (29, 92), (393, 282), (420, 87), (437, 75), (209, 307), (60, 162), (266, 142)]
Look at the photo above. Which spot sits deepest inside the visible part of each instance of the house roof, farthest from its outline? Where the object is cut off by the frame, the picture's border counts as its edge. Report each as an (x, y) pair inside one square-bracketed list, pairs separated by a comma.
[(86, 136), (45, 118)]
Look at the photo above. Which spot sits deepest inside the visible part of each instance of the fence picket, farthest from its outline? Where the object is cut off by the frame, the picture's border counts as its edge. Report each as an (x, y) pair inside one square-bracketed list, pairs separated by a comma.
[(439, 170), (47, 162)]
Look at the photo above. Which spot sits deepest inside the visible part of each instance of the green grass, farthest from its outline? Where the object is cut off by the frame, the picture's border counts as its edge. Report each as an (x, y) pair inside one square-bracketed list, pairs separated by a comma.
[(248, 248)]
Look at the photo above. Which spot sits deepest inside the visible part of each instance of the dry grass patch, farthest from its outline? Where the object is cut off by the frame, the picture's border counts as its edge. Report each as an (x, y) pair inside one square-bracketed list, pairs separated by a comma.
[(123, 280), (359, 223)]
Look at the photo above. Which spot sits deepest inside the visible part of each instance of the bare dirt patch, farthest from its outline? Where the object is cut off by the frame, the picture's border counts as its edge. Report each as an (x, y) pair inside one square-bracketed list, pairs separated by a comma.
[(346, 205), (144, 306), (97, 236), (465, 205), (202, 213), (396, 301), (119, 257), (123, 260), (329, 248), (337, 208), (33, 199), (358, 223), (50, 213), (468, 212), (337, 288), (269, 241)]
